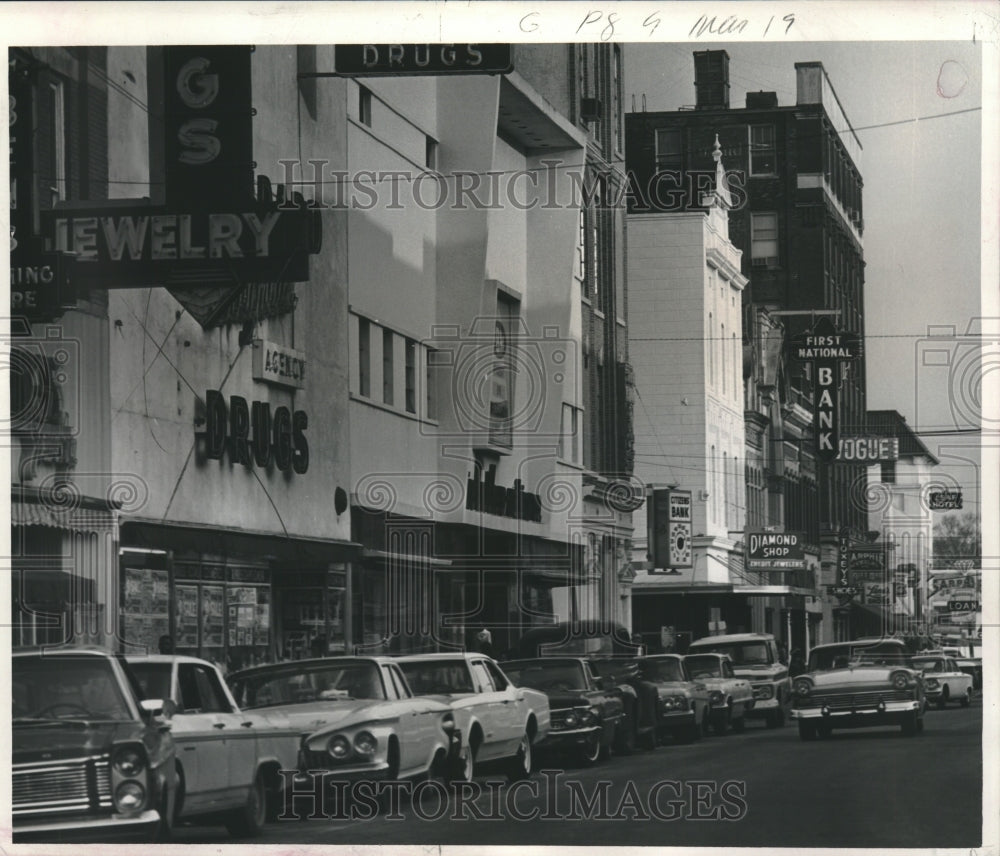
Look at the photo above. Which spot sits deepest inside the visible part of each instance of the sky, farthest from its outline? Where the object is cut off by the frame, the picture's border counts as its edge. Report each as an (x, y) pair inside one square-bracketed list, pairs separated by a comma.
[(921, 207)]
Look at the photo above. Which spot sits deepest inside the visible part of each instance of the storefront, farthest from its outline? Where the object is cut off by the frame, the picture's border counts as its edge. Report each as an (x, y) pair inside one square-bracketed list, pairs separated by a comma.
[(233, 597)]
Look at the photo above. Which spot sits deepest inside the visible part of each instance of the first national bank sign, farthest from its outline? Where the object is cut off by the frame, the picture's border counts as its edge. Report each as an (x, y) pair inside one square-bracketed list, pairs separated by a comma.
[(211, 229)]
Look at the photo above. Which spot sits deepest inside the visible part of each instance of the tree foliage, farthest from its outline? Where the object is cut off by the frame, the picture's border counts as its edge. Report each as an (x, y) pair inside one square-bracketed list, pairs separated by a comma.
[(956, 539)]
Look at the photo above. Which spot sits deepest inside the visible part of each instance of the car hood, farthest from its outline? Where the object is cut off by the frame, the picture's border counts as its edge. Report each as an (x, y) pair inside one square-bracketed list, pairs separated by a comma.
[(855, 675), (673, 687), (312, 715), (45, 740), (761, 673), (562, 699)]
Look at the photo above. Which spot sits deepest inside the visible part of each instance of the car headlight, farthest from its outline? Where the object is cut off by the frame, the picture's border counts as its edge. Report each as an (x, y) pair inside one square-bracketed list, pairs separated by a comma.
[(763, 691), (715, 697), (900, 680), (572, 720), (931, 683), (129, 761), (803, 686), (129, 796), (338, 746), (365, 743)]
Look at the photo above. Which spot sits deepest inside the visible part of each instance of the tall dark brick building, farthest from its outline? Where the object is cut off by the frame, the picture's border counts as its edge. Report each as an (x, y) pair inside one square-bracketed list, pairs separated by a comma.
[(795, 173)]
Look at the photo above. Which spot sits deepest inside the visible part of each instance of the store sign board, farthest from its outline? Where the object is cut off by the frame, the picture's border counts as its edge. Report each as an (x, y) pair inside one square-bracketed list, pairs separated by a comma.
[(278, 365), (945, 500), (868, 448), (777, 551), (411, 59), (670, 530)]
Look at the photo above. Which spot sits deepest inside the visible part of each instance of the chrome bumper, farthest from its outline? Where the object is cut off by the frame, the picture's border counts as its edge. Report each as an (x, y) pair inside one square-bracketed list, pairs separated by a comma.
[(826, 714)]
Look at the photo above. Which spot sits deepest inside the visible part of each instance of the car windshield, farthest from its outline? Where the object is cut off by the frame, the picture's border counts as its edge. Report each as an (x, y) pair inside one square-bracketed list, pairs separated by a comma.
[(323, 682), (741, 653), (437, 677), (64, 688), (703, 667), (929, 664), (548, 676), (153, 678), (667, 669)]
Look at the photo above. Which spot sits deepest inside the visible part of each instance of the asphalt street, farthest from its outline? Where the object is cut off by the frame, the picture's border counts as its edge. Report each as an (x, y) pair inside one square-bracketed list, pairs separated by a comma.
[(860, 788)]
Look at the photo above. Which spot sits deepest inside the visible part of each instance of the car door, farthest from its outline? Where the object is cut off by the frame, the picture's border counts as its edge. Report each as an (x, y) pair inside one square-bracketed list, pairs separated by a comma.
[(240, 732), (513, 707), (199, 732), (492, 712)]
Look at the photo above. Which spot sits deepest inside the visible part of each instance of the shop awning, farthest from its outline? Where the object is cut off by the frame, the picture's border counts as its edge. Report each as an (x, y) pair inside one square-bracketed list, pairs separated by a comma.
[(60, 509), (202, 538)]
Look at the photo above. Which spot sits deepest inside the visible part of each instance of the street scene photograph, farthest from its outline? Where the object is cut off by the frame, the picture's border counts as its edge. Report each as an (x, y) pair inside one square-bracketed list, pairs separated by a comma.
[(558, 427)]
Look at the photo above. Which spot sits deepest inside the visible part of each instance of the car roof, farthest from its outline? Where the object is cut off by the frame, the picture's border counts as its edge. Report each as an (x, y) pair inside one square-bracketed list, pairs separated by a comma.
[(440, 655), (868, 642), (733, 637), (167, 658), (311, 662), (77, 651), (546, 660), (667, 656)]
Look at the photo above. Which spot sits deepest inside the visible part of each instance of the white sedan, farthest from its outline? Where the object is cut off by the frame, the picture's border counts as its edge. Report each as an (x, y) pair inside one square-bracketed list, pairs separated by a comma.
[(498, 721), (228, 761), (943, 680)]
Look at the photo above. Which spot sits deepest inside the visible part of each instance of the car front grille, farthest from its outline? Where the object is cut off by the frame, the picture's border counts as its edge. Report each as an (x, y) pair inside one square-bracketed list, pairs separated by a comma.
[(856, 701), (78, 784)]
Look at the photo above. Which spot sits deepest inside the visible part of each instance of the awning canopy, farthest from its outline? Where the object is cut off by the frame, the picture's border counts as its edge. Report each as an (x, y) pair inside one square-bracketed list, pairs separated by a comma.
[(60, 509)]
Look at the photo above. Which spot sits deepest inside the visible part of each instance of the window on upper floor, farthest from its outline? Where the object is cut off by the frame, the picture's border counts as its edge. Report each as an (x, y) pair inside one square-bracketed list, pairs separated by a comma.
[(763, 156), (669, 154), (364, 105), (388, 367), (410, 375), (764, 239), (431, 153), (569, 434), (888, 472), (364, 357)]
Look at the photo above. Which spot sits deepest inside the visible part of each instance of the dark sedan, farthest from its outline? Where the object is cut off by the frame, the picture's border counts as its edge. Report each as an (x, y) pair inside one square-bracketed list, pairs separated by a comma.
[(584, 711)]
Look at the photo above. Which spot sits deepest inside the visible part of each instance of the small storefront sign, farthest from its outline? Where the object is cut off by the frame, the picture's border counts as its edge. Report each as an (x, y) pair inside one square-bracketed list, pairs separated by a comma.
[(868, 448), (778, 551), (365, 60), (278, 365), (945, 500)]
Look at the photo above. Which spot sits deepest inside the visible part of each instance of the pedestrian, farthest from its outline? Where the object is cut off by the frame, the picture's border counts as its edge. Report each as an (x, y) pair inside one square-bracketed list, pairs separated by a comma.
[(166, 644), (484, 642)]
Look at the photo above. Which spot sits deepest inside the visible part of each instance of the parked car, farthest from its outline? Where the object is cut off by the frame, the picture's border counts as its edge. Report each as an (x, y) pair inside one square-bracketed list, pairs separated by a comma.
[(683, 706), (971, 665), (730, 698), (943, 680), (755, 657), (612, 655), (500, 721), (91, 760), (357, 717), (584, 710), (228, 760), (875, 688)]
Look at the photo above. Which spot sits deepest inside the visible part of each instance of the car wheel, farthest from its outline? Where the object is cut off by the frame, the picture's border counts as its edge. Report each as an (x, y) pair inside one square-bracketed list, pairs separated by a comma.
[(248, 820), (519, 766), (966, 700), (607, 742), (625, 736), (943, 701), (592, 749), (910, 725), (722, 720), (807, 730), (164, 829), (466, 768)]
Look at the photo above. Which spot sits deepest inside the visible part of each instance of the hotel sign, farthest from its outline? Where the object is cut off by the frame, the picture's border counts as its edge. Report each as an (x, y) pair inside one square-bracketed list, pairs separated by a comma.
[(945, 500), (278, 365)]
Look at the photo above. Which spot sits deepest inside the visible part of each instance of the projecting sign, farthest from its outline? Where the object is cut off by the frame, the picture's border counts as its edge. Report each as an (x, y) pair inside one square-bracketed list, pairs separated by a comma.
[(825, 343), (363, 60), (775, 551), (868, 449), (963, 606), (670, 529), (844, 591), (945, 500)]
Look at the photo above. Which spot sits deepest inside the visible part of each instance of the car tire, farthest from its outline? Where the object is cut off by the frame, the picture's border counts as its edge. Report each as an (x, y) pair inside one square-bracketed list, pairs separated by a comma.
[(248, 820), (807, 730), (607, 743), (592, 750), (625, 737), (519, 767), (943, 701), (721, 723), (164, 829), (465, 771), (966, 699)]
